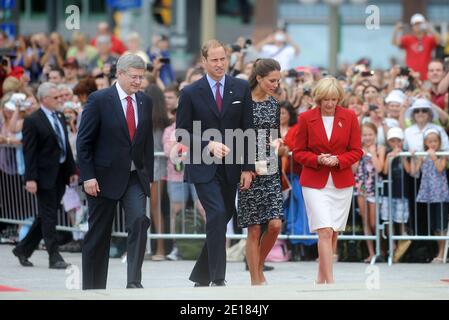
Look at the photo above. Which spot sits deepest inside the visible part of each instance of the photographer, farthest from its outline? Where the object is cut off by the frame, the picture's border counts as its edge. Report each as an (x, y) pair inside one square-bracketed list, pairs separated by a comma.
[(160, 58), (278, 46), (55, 53), (104, 58), (7, 69), (242, 53), (404, 79), (419, 45)]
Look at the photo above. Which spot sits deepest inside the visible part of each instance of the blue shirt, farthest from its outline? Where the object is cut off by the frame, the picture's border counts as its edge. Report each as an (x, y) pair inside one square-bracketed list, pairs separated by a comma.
[(49, 115), (213, 85)]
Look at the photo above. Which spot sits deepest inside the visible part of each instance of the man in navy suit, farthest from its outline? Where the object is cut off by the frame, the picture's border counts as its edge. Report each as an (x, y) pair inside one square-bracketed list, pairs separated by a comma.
[(49, 167), (115, 155), (220, 102)]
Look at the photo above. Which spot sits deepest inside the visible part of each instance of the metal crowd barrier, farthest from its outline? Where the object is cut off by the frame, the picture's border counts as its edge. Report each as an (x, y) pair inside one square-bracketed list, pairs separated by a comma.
[(414, 227), (16, 206)]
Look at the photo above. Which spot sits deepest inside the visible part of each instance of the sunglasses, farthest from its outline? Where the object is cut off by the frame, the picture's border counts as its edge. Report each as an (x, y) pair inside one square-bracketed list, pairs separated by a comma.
[(423, 110)]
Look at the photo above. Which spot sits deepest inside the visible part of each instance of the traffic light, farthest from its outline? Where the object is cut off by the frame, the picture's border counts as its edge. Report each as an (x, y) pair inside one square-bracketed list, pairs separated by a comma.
[(162, 11)]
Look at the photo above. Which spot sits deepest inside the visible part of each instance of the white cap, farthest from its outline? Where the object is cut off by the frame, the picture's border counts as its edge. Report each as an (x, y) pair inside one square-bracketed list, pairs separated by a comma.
[(396, 96), (431, 130), (417, 18), (421, 103), (395, 132)]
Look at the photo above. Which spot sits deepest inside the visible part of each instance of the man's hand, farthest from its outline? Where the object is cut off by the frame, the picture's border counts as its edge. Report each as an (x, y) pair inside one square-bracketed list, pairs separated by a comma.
[(91, 187), (218, 149), (245, 180), (31, 187)]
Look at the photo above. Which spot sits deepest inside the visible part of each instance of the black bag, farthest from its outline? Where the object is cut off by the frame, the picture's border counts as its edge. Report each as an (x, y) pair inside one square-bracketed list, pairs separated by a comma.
[(421, 252)]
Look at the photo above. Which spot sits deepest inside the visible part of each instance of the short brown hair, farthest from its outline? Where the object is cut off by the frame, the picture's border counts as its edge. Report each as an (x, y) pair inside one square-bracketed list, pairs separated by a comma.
[(211, 44)]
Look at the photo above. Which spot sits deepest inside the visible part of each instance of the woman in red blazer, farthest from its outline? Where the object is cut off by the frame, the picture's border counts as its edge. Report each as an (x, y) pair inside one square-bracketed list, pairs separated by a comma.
[(328, 142)]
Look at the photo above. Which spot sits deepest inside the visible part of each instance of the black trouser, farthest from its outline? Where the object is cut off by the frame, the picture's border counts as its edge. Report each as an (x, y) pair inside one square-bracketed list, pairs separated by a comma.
[(218, 200), (44, 225), (97, 240)]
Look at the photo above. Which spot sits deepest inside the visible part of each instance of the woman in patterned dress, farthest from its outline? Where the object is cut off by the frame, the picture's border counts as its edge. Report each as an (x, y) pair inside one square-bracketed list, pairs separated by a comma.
[(261, 206)]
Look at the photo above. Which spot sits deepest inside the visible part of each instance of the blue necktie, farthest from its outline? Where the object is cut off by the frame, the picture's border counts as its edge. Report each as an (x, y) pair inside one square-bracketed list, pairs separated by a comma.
[(59, 135)]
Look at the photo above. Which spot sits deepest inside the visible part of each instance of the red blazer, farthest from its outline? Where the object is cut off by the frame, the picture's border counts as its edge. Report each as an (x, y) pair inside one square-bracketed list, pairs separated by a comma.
[(311, 140)]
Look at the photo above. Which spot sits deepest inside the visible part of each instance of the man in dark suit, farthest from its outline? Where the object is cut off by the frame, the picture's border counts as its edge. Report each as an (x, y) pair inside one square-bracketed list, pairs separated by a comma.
[(219, 102), (49, 167), (115, 156)]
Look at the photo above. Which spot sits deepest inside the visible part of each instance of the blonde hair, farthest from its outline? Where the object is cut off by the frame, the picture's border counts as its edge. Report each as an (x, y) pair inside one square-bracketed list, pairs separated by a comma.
[(326, 88), (11, 84)]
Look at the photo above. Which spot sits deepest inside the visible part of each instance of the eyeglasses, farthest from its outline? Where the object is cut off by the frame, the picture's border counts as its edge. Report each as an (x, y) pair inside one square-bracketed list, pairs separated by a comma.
[(56, 97), (135, 77), (422, 110)]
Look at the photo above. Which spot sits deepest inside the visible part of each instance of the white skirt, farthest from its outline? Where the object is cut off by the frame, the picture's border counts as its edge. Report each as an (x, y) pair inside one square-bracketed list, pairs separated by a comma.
[(327, 207)]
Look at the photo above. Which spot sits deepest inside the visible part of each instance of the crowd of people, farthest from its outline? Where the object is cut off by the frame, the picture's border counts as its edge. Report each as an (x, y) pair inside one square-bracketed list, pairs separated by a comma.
[(404, 108)]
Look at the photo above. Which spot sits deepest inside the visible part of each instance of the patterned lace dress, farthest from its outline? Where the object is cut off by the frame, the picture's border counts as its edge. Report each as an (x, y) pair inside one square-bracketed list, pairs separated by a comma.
[(263, 202)]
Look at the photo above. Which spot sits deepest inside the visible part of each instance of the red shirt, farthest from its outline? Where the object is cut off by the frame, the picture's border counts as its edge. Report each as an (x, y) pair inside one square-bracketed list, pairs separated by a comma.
[(289, 141), (418, 52), (438, 99), (117, 45), (311, 141)]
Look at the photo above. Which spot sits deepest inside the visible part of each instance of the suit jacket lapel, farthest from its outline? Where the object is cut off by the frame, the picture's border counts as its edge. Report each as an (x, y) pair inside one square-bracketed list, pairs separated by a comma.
[(118, 109), (338, 126), (208, 97), (47, 123), (319, 126), (228, 93)]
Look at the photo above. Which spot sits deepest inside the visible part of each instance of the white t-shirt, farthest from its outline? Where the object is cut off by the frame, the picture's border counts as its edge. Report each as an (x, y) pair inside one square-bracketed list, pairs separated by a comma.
[(282, 55)]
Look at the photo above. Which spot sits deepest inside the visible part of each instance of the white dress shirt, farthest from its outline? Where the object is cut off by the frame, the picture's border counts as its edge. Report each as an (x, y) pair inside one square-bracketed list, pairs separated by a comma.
[(123, 95)]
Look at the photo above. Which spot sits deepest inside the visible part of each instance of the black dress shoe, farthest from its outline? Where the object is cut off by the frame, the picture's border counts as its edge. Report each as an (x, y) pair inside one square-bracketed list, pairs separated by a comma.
[(265, 267), (200, 284), (59, 265), (133, 285), (22, 259), (218, 283)]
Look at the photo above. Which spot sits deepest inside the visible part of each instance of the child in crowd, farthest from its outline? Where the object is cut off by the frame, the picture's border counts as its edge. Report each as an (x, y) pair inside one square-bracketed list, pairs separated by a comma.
[(434, 189), (365, 179), (399, 167)]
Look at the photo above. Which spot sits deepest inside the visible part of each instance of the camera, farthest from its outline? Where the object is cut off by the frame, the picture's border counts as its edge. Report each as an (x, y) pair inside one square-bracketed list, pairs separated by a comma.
[(113, 71), (149, 67), (446, 64), (292, 73), (373, 107), (6, 55), (164, 60), (404, 71), (16, 100), (367, 73), (236, 48)]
